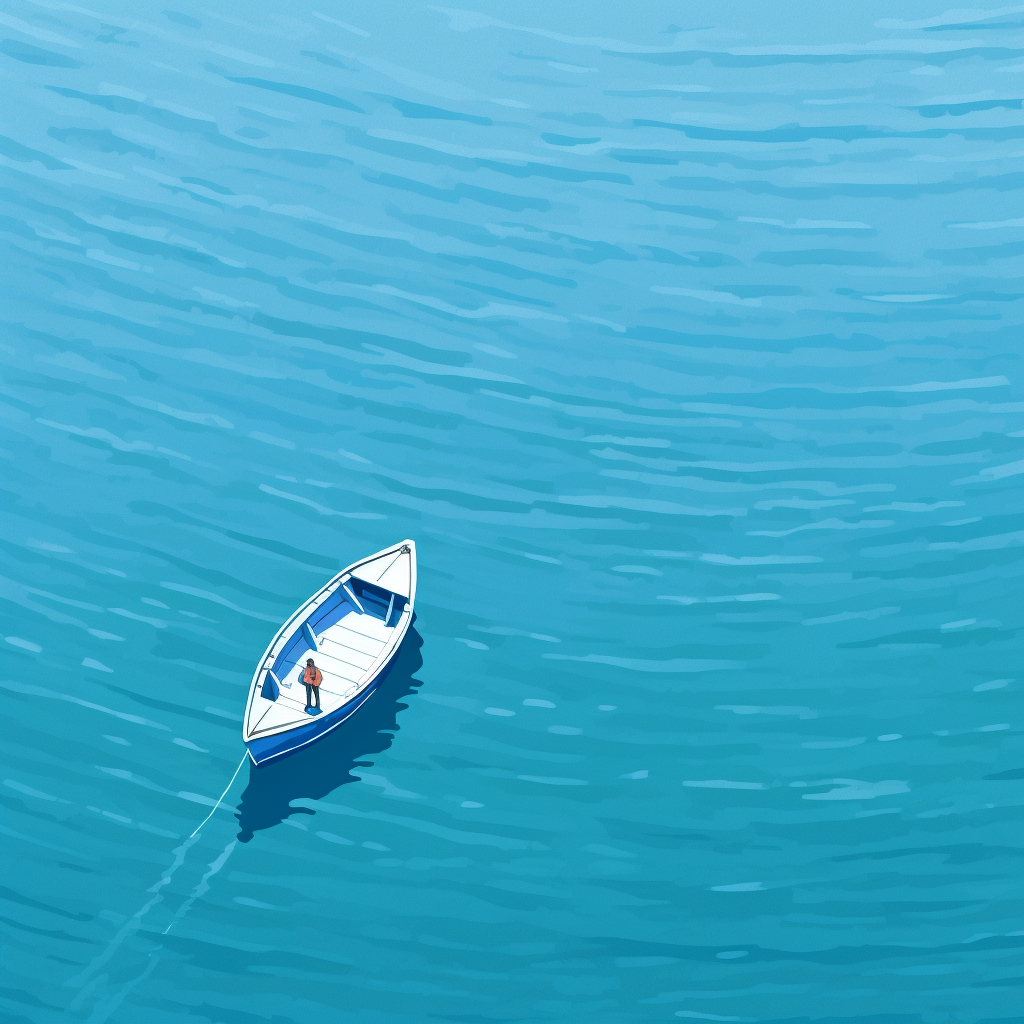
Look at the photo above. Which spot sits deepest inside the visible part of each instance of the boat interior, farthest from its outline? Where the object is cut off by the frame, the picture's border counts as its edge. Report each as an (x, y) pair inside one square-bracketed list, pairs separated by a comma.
[(344, 635)]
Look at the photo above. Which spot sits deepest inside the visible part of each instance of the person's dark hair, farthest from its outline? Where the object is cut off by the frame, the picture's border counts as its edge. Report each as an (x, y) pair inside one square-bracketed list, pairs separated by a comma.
[(309, 661)]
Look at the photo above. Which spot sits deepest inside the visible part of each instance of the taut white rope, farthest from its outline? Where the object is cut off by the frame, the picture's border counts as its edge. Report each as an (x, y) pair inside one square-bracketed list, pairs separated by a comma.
[(224, 794)]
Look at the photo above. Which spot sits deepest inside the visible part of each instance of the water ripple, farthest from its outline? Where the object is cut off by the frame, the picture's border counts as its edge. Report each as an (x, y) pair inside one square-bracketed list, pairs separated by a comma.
[(688, 353)]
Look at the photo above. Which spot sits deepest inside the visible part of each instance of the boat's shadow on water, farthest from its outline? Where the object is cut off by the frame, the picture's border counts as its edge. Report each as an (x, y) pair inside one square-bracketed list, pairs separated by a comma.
[(322, 767)]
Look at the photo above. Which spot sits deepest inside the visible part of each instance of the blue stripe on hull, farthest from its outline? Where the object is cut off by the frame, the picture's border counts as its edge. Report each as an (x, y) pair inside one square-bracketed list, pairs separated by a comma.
[(270, 748)]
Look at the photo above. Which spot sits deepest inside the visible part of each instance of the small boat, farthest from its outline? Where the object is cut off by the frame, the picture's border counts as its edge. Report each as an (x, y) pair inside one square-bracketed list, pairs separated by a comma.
[(352, 629)]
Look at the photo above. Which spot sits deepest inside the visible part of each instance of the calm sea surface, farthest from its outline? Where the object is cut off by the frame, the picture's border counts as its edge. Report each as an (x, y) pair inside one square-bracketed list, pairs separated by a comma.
[(685, 341)]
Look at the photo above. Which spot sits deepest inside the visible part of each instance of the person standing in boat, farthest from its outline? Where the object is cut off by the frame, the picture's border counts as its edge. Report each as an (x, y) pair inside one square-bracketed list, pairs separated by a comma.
[(312, 677)]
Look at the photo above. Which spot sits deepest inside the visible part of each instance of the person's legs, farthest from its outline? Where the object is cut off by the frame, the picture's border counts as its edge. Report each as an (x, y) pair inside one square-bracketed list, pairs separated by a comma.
[(316, 694), (309, 695)]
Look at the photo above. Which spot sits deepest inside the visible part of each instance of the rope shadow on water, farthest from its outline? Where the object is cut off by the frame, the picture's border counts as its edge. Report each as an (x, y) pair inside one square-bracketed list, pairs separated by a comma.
[(317, 770)]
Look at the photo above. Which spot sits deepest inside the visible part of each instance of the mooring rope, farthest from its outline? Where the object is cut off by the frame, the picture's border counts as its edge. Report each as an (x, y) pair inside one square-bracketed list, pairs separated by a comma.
[(224, 794)]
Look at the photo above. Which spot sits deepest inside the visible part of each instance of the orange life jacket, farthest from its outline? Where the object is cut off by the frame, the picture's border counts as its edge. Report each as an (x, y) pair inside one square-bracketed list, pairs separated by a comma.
[(312, 677)]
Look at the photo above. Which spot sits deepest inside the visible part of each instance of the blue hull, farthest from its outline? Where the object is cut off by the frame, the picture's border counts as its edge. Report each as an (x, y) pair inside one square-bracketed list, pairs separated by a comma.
[(271, 748)]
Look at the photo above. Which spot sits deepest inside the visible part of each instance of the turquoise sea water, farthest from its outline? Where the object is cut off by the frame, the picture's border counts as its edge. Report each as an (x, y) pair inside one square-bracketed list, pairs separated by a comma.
[(685, 342)]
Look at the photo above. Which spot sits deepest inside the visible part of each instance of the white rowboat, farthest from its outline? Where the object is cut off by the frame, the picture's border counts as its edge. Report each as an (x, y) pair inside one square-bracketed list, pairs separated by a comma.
[(352, 629)]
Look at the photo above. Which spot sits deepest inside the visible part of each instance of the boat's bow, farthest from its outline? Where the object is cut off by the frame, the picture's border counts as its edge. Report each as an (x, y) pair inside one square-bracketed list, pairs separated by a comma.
[(393, 570)]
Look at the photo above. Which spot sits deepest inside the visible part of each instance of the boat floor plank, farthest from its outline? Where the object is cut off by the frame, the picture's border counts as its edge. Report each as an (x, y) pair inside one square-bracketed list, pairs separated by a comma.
[(365, 625), (340, 650), (359, 642)]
